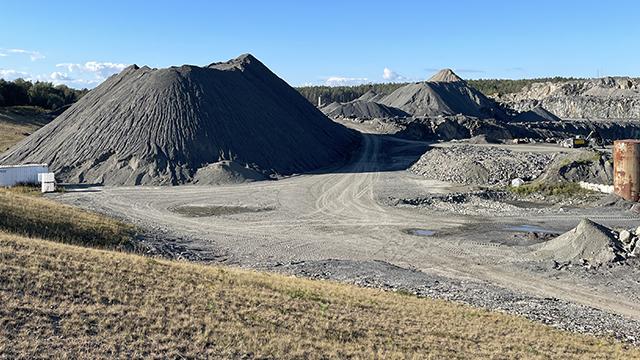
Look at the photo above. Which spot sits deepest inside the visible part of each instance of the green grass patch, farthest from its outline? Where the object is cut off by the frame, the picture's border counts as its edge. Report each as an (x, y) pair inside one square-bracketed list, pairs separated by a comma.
[(565, 189)]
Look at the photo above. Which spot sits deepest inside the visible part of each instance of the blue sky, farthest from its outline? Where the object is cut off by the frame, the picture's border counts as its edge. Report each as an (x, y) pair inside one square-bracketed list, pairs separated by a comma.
[(322, 42)]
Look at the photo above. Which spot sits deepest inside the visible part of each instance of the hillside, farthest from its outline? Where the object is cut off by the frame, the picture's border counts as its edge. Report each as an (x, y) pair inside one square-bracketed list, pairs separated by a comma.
[(600, 98), (66, 301)]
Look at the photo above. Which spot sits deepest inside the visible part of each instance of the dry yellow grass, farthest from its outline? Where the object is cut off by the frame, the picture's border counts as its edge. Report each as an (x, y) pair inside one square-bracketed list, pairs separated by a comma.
[(65, 301), (23, 211), (17, 123)]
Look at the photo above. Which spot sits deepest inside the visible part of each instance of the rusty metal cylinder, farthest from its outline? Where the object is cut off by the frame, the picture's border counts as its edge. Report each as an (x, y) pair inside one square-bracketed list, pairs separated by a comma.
[(626, 169)]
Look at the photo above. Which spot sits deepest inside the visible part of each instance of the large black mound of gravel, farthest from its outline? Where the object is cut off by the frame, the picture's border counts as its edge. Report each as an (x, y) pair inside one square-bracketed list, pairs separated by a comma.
[(160, 126)]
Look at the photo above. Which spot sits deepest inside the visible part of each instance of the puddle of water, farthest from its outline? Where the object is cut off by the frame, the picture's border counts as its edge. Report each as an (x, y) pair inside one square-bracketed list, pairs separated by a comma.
[(531, 229), (215, 210), (421, 232)]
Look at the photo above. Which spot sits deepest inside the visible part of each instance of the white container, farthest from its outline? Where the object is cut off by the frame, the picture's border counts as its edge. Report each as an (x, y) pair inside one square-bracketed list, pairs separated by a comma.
[(12, 175), (48, 182)]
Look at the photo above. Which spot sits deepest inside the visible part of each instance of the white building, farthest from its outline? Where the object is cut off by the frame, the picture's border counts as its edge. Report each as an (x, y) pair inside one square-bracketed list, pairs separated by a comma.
[(12, 175)]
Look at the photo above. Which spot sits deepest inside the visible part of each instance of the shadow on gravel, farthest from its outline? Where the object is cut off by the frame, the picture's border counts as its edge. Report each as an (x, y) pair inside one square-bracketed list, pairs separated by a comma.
[(379, 153), (214, 210)]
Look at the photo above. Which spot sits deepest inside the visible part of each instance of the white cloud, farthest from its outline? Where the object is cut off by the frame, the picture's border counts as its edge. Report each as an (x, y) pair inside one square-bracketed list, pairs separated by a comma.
[(58, 76), (101, 70), (9, 74), (345, 81), (33, 55), (392, 76)]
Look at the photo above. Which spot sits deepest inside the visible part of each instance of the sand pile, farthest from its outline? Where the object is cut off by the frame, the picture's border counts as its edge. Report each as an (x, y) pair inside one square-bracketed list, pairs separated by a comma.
[(167, 126), (536, 114), (588, 243), (444, 94), (359, 109)]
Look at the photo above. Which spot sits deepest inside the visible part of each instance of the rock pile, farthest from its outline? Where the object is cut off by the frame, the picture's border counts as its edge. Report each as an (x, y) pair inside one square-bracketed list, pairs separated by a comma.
[(588, 166), (480, 165), (591, 244)]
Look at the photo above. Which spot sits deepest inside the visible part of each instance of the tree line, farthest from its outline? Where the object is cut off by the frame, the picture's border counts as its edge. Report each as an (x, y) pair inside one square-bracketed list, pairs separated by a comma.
[(488, 87), (21, 92)]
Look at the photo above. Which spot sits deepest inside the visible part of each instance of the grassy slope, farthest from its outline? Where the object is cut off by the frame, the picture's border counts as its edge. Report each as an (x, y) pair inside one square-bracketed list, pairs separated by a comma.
[(65, 301), (24, 212), (16, 123), (62, 300)]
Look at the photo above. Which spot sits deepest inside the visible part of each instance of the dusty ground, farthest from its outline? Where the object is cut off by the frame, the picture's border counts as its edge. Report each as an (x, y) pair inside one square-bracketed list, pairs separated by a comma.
[(346, 215)]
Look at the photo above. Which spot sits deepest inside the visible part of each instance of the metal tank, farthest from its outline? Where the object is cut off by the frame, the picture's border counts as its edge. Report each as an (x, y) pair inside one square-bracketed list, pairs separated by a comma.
[(626, 169)]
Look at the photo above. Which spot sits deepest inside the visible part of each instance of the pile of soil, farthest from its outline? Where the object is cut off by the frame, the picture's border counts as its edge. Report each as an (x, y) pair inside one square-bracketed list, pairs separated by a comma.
[(480, 165), (588, 243), (168, 126)]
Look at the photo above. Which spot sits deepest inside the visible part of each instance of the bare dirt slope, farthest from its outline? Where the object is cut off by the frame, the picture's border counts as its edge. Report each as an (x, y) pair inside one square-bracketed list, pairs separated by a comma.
[(161, 126)]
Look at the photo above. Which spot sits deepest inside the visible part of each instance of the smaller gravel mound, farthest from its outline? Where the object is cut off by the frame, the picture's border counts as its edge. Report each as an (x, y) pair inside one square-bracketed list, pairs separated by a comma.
[(588, 243), (359, 109), (480, 165), (586, 165), (536, 114)]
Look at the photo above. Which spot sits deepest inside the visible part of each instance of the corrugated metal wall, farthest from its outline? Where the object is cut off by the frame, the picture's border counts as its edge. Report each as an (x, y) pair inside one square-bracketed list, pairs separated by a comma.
[(21, 174)]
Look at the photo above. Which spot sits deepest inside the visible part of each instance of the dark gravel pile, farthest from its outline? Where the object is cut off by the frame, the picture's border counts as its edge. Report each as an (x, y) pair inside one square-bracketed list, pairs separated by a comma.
[(159, 126)]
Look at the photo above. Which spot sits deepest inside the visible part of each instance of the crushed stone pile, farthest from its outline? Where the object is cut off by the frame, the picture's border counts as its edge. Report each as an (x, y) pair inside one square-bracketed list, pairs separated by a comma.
[(168, 126), (480, 165), (445, 75), (536, 114), (444, 94), (371, 96), (360, 109), (591, 244), (585, 165)]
